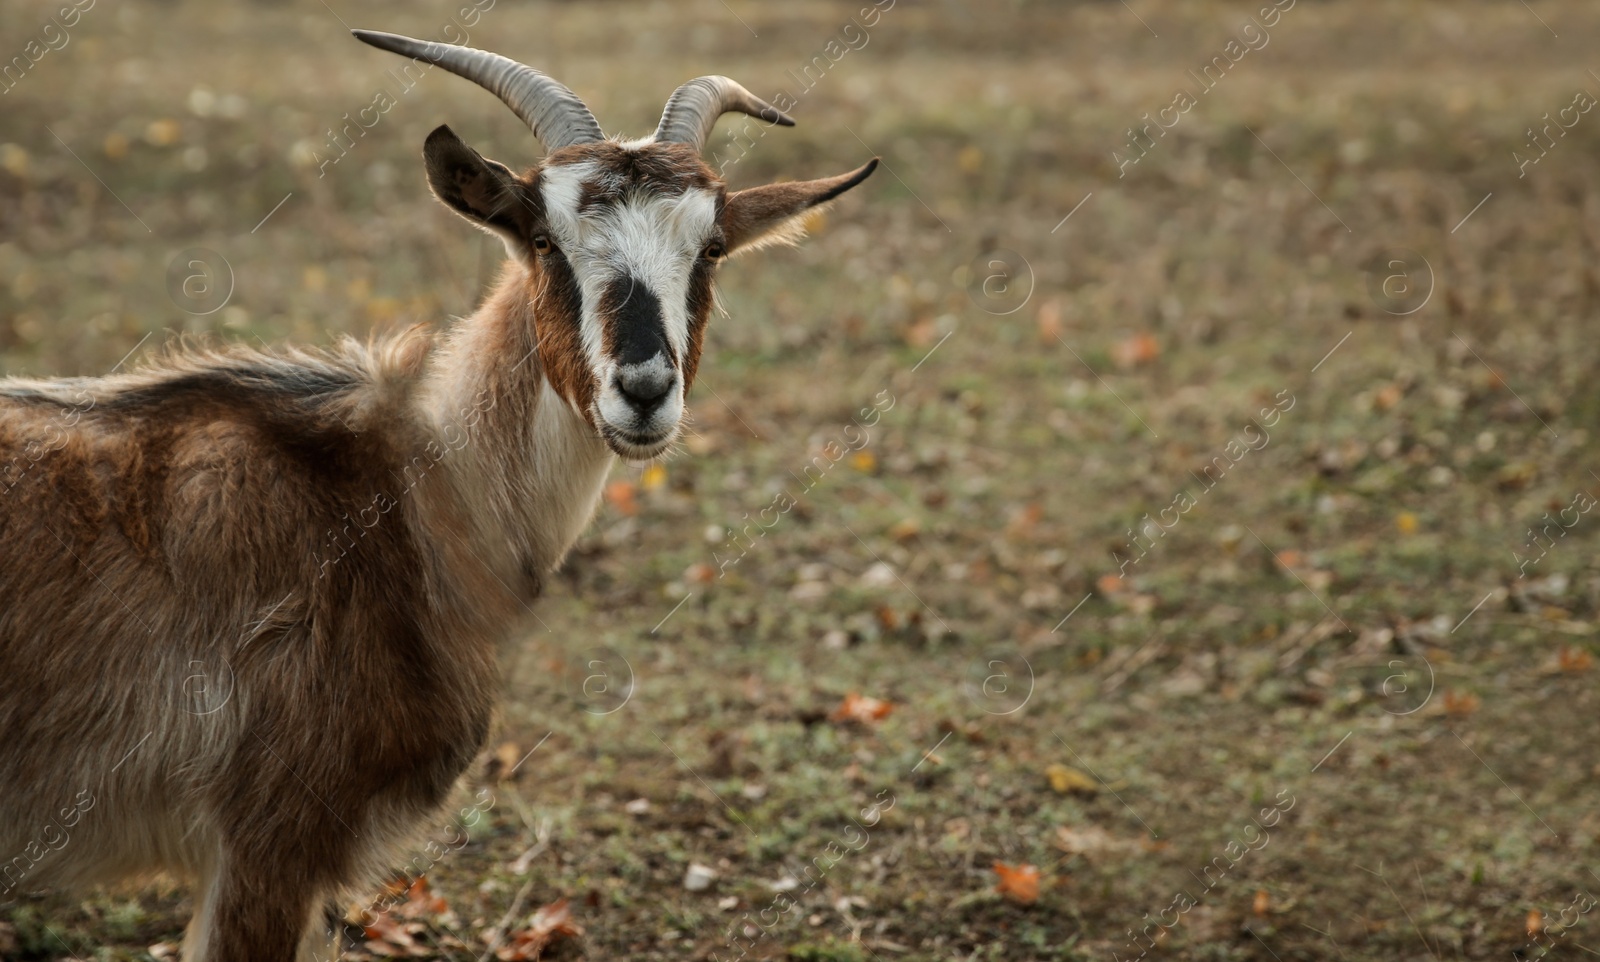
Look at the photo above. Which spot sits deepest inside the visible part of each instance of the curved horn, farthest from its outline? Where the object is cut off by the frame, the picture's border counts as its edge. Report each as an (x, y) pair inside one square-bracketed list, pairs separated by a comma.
[(693, 109), (554, 113)]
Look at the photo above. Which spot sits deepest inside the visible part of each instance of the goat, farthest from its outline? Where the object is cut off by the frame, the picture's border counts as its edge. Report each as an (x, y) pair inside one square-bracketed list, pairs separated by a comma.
[(340, 540)]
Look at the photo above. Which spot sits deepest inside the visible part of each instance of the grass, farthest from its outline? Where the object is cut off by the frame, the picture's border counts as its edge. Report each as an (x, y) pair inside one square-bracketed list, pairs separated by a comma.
[(1339, 618)]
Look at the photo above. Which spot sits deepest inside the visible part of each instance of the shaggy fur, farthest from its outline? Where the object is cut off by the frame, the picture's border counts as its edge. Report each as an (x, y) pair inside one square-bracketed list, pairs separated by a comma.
[(250, 602)]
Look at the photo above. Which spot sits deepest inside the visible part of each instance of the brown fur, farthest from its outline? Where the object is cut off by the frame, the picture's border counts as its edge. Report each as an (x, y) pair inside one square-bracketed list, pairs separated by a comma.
[(250, 601)]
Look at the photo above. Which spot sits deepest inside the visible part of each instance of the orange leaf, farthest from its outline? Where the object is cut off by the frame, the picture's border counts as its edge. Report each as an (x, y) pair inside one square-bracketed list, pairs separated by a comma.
[(1050, 322), (1262, 903), (1136, 350), (1025, 519), (392, 931), (1574, 659), (1020, 883), (905, 529), (395, 887), (1110, 585), (921, 332), (859, 708), (421, 902), (619, 494), (552, 922), (1535, 922), (388, 937), (1460, 702)]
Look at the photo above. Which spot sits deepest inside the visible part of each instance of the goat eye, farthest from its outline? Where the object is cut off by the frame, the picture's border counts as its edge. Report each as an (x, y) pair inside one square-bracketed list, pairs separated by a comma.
[(541, 244), (715, 251)]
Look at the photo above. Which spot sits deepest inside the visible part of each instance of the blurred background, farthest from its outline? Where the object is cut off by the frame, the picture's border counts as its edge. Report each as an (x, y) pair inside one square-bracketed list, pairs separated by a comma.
[(1216, 580)]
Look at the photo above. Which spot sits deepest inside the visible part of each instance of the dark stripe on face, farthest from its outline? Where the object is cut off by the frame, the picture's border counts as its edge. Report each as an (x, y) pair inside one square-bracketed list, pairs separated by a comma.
[(699, 310), (560, 341), (635, 330)]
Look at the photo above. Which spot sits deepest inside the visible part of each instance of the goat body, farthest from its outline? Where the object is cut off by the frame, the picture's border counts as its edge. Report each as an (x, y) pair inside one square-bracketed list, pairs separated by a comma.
[(249, 598)]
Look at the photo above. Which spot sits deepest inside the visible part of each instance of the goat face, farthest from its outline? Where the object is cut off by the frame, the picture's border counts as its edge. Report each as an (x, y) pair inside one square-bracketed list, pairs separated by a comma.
[(621, 241), (635, 233), (620, 238)]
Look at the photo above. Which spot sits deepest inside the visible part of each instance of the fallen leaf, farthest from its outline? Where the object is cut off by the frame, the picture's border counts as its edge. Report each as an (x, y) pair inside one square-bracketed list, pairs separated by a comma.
[(864, 461), (14, 160), (905, 529), (970, 159), (1049, 321), (880, 575), (1136, 350), (1460, 703), (653, 477), (1406, 522), (1574, 659), (860, 708), (921, 332), (1025, 519), (390, 937), (1110, 584), (1262, 903), (1064, 779), (1020, 883), (1091, 839), (421, 902), (699, 877), (552, 922), (1387, 397), (1535, 923), (1516, 475), (163, 133), (620, 495)]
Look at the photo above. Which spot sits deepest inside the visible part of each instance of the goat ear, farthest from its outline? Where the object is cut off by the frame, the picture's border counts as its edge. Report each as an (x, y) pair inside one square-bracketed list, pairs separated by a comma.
[(482, 191), (763, 216)]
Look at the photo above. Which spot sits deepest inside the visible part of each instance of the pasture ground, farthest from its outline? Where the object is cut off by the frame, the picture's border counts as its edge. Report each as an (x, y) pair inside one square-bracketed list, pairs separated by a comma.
[(1341, 617)]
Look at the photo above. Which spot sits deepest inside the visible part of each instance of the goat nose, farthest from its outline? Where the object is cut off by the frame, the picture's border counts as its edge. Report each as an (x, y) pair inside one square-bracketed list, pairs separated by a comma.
[(645, 386)]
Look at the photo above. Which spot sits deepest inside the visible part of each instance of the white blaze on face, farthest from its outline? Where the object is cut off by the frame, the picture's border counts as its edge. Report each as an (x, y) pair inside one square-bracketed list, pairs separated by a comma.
[(645, 239)]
